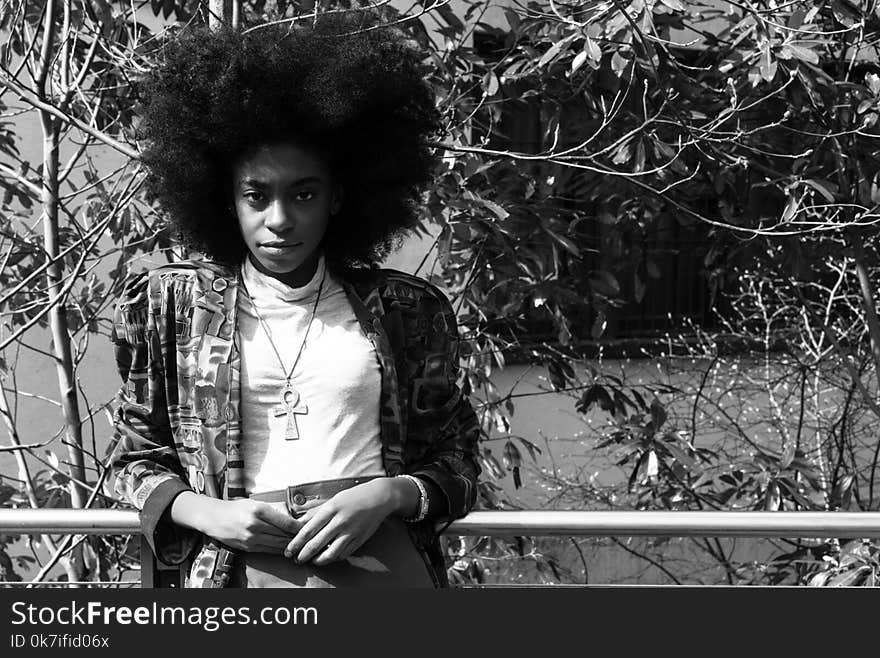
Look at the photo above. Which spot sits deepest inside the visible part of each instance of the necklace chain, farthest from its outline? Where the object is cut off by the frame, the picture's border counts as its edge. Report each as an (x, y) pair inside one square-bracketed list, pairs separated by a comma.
[(287, 375)]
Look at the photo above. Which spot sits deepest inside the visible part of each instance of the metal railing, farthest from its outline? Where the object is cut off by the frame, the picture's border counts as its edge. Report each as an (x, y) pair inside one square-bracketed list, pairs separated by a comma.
[(523, 523)]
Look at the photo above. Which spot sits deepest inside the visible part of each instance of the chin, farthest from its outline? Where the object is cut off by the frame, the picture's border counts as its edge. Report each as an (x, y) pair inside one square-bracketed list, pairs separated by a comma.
[(280, 263), (280, 266)]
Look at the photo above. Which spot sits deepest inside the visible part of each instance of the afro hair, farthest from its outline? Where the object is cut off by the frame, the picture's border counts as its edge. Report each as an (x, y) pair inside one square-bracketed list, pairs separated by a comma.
[(358, 96)]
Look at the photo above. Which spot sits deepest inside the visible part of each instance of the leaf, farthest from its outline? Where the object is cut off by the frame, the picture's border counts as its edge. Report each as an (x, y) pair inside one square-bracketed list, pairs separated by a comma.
[(845, 14), (619, 64), (658, 414), (588, 399), (8, 193), (605, 401), (768, 65), (826, 188), (567, 244), (474, 165), (819, 579), (638, 288), (791, 208), (6, 492), (52, 458), (534, 450), (651, 466), (622, 154), (680, 456), (511, 457), (599, 325), (790, 50), (813, 11), (638, 398), (594, 52), (450, 17), (578, 61), (490, 84), (636, 475), (552, 52), (492, 465), (850, 578), (605, 283), (754, 76), (500, 212), (841, 494), (872, 80), (607, 218), (24, 198), (621, 402), (512, 18), (560, 373), (772, 497), (674, 5), (646, 469), (639, 164)]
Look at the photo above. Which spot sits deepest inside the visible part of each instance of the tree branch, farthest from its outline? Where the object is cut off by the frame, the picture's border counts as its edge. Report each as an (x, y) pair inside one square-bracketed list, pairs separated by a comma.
[(28, 97)]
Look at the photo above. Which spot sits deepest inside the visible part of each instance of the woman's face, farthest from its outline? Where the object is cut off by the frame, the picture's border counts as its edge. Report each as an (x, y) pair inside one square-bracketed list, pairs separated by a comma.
[(283, 197)]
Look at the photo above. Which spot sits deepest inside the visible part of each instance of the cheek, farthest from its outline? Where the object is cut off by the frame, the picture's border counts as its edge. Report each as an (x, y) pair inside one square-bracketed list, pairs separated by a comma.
[(318, 226), (248, 222)]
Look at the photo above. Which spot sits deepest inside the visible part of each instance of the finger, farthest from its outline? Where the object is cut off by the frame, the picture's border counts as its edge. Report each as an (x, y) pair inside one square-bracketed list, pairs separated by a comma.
[(317, 543), (337, 550), (355, 541), (280, 519), (308, 530), (273, 547), (260, 527), (275, 542), (307, 515)]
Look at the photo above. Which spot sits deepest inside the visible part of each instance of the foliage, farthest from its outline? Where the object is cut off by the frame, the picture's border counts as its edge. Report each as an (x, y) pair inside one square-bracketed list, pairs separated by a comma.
[(757, 123), (575, 131)]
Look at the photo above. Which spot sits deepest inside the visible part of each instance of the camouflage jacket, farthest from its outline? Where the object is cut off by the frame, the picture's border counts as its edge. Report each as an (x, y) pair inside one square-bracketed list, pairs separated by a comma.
[(177, 423)]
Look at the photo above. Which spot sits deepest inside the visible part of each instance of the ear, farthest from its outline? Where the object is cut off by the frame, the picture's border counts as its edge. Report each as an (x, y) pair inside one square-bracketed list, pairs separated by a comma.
[(336, 198)]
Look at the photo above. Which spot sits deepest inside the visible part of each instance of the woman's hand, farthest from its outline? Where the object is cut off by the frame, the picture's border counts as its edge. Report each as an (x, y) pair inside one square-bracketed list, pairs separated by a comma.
[(243, 524), (335, 529)]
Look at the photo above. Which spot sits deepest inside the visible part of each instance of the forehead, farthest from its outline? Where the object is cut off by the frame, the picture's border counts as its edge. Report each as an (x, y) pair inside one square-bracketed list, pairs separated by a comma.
[(279, 163)]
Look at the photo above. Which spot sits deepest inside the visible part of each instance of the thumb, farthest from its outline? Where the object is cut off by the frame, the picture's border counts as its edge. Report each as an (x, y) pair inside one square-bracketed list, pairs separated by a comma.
[(280, 519)]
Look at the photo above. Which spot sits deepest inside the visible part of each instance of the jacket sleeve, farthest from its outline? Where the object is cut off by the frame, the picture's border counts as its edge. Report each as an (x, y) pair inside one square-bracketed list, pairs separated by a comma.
[(442, 423), (145, 470)]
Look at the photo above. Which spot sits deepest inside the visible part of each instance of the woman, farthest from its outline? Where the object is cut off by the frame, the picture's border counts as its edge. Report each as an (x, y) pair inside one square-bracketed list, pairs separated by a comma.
[(290, 415)]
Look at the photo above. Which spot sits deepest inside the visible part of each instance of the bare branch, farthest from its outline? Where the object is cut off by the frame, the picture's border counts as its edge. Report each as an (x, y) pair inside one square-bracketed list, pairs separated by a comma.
[(29, 98)]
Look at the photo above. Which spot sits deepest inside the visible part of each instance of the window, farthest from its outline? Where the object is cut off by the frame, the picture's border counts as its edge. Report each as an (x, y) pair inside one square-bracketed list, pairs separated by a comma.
[(676, 290)]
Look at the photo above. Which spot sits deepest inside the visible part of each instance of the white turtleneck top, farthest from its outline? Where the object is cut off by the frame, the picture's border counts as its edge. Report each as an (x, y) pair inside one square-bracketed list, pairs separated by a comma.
[(337, 377)]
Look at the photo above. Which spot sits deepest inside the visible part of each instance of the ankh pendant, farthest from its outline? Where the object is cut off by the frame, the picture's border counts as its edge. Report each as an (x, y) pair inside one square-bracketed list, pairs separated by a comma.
[(290, 406)]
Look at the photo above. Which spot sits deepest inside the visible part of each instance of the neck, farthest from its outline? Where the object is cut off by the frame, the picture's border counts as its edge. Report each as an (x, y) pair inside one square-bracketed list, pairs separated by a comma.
[(295, 278)]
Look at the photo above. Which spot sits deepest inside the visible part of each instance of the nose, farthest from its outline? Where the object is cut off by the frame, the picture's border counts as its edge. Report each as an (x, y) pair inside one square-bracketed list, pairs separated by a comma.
[(278, 217)]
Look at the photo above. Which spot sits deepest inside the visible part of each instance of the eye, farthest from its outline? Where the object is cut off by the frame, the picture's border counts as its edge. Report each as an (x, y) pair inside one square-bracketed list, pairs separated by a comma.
[(253, 196), (305, 195)]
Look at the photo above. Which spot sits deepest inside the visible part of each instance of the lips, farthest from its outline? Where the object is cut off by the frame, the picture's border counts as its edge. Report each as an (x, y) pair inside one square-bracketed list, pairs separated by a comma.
[(280, 245)]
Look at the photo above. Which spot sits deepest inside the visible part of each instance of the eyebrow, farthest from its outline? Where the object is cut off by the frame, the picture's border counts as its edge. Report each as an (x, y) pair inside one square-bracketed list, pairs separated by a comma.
[(299, 181)]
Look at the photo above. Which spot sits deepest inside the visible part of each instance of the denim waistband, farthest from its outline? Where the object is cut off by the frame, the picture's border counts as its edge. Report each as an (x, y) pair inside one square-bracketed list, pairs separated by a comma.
[(300, 495)]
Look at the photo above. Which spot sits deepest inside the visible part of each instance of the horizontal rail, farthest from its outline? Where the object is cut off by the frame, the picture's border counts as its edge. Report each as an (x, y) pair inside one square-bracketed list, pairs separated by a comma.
[(70, 521), (672, 524), (537, 523)]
